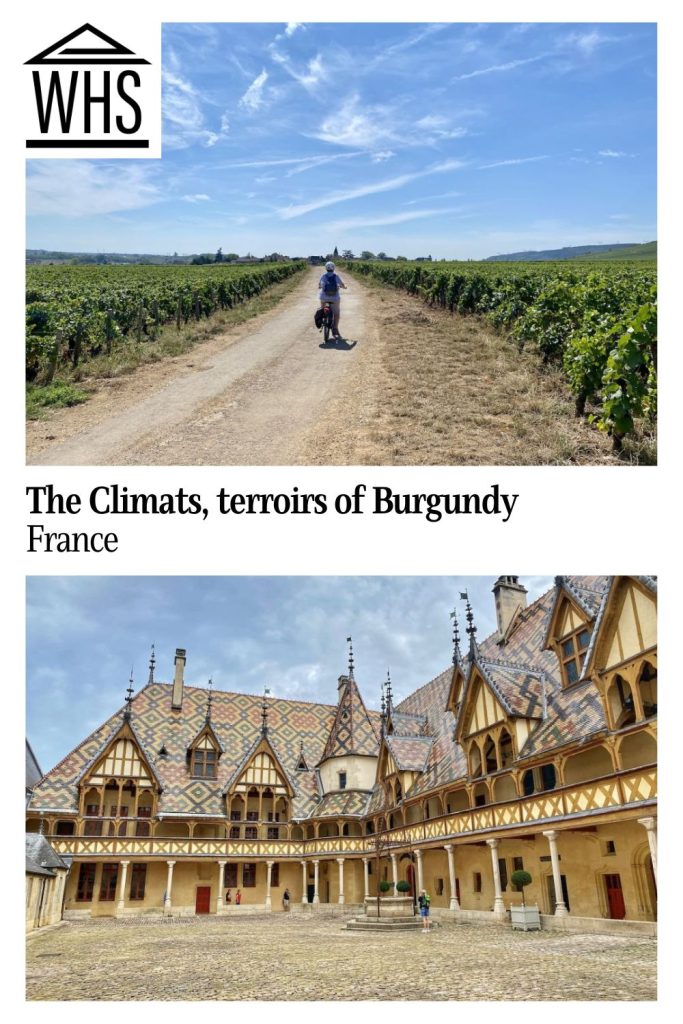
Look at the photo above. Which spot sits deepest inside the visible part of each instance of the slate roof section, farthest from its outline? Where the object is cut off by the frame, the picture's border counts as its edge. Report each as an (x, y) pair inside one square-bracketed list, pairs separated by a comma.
[(353, 731), (41, 859)]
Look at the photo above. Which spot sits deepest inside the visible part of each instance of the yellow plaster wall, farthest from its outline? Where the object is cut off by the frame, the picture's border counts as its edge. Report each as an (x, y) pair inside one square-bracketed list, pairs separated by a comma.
[(583, 860), (636, 626), (360, 772), (51, 910)]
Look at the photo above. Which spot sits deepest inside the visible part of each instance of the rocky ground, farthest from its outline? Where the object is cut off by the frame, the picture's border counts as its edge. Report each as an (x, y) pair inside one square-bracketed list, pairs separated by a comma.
[(293, 957)]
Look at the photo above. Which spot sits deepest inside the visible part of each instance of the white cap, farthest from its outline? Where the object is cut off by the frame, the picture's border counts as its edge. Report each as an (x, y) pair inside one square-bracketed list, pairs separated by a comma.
[(329, 265)]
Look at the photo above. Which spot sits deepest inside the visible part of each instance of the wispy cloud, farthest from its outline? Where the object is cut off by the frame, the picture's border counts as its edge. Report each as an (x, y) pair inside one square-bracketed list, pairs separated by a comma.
[(82, 188), (514, 162), (428, 199), (184, 118), (198, 197), (310, 78), (388, 185), (391, 218), (615, 154), (381, 127), (495, 68), (253, 98)]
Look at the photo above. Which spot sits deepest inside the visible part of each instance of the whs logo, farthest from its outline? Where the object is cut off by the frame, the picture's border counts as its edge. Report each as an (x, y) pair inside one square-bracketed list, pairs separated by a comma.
[(90, 93)]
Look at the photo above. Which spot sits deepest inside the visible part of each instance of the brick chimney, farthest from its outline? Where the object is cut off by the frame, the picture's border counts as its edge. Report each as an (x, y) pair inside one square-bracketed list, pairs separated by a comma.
[(510, 595), (178, 681)]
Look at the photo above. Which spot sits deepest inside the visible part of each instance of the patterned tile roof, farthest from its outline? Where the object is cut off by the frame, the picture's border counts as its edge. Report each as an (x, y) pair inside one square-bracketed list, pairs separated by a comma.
[(406, 725), (236, 720), (410, 752), (519, 668), (345, 803), (353, 731)]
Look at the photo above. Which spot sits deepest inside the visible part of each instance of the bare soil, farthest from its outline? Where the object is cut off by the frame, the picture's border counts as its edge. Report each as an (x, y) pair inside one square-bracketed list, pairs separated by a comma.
[(408, 386)]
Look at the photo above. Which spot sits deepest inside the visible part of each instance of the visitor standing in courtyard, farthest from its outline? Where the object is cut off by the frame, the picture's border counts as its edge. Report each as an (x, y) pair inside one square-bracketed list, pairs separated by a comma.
[(228, 896), (424, 901), (285, 900), (238, 897)]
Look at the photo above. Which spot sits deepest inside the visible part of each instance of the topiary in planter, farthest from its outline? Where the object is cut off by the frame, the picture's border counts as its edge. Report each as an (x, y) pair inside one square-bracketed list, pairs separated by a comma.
[(403, 886), (385, 886), (520, 879)]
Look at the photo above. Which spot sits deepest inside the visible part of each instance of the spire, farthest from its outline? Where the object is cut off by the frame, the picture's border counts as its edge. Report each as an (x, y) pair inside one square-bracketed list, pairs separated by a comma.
[(264, 712), (383, 716), (389, 693), (129, 697), (456, 637), (471, 628), (152, 663), (209, 700), (350, 643)]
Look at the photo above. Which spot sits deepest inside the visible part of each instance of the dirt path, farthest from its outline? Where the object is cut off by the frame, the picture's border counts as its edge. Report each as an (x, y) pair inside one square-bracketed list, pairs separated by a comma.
[(248, 397), (410, 386)]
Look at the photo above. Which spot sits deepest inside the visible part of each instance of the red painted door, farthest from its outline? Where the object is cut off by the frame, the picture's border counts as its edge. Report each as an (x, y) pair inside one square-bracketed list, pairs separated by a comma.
[(615, 897), (410, 878), (203, 899)]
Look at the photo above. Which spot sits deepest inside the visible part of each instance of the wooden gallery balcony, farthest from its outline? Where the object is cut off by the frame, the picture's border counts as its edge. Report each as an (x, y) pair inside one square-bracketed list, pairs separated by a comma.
[(591, 801)]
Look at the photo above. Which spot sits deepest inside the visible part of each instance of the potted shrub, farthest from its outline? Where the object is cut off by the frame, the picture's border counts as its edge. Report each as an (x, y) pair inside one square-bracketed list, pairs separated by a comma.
[(403, 886), (526, 918), (385, 886)]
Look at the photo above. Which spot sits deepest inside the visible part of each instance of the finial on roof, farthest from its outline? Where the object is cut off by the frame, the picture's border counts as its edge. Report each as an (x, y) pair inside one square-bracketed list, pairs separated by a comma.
[(264, 712), (41, 826), (390, 695), (350, 643), (209, 700), (383, 705), (152, 663), (471, 628), (129, 697), (456, 637)]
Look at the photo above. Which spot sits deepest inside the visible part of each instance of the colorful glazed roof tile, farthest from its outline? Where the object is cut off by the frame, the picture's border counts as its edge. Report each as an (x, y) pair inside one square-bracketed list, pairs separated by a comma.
[(410, 752), (406, 725), (345, 803), (520, 669), (353, 731)]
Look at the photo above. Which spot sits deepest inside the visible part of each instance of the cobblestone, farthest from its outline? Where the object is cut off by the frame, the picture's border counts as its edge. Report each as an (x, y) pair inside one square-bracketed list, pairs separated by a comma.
[(313, 958)]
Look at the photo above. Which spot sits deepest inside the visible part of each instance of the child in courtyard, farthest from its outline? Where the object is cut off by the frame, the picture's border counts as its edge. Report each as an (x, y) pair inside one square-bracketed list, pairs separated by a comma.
[(424, 901)]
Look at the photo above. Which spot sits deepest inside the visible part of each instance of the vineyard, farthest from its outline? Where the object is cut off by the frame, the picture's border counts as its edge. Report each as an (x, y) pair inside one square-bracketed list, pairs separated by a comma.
[(598, 322), (74, 313)]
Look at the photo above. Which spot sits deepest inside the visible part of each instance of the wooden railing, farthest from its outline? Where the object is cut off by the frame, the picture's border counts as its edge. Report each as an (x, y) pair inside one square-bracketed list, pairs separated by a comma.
[(578, 801)]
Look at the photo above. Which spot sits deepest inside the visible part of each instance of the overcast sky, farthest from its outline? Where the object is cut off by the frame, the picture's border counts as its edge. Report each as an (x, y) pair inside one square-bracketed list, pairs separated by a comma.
[(448, 140), (286, 633)]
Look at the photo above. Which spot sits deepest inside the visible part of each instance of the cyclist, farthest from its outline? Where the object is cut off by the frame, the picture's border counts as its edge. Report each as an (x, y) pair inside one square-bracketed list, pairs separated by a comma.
[(330, 284)]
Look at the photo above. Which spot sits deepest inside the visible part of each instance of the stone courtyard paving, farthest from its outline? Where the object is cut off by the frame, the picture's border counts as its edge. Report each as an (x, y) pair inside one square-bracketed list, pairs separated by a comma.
[(306, 957)]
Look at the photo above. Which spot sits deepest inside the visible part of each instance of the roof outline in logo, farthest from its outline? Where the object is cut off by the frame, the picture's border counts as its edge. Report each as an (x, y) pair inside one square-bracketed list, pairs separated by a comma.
[(113, 53)]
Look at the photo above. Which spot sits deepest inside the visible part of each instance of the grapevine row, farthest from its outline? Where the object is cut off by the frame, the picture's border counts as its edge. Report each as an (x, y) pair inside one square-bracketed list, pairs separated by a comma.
[(598, 322), (76, 312)]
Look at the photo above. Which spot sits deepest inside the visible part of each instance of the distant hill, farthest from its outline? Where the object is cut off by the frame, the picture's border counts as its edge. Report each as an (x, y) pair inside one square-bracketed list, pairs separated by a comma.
[(618, 250), (55, 256)]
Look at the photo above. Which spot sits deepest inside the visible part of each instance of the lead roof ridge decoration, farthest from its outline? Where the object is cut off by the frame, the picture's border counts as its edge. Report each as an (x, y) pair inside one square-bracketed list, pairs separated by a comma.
[(207, 727)]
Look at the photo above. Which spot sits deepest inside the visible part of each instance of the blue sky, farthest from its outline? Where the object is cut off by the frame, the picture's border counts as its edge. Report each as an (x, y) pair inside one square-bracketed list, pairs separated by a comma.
[(286, 633), (455, 140)]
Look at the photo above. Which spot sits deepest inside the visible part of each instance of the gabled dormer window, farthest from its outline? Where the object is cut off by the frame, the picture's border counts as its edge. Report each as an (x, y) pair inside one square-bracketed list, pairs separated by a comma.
[(204, 764), (572, 652), (203, 756)]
